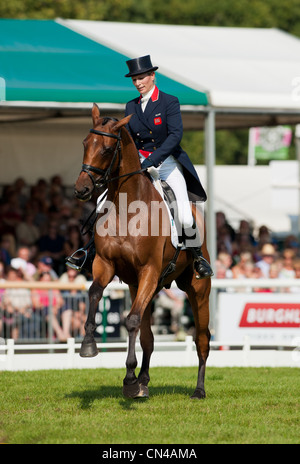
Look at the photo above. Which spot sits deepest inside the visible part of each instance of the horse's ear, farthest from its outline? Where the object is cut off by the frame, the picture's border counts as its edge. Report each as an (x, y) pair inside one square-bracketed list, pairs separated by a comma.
[(122, 123), (95, 114)]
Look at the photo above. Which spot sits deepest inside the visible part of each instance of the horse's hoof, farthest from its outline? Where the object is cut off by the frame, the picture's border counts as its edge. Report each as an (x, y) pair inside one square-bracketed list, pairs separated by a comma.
[(132, 390), (88, 350), (135, 390), (144, 392), (199, 394)]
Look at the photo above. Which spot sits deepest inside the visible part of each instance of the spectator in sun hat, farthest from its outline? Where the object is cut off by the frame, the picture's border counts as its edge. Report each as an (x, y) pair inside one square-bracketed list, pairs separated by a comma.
[(45, 264), (268, 255), (288, 270), (23, 261)]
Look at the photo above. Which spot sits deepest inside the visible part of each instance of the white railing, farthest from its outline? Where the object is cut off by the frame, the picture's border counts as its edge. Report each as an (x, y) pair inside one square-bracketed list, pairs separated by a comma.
[(14, 357), (254, 283), (215, 283)]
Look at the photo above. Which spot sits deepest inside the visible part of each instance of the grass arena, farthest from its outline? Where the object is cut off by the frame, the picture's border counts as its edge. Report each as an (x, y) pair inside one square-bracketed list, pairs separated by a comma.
[(243, 405)]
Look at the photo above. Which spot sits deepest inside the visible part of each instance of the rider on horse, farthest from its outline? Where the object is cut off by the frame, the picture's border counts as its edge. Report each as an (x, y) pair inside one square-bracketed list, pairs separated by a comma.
[(156, 129)]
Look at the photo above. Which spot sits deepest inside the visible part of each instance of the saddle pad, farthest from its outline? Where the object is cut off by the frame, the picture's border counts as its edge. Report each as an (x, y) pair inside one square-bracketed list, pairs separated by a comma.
[(169, 199)]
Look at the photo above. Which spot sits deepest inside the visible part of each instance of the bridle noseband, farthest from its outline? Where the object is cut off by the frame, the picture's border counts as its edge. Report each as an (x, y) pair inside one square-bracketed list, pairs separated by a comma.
[(106, 173), (102, 172)]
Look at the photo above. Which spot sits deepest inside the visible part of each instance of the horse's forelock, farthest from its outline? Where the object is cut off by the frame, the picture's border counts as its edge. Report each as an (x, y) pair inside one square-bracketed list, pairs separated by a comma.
[(105, 120)]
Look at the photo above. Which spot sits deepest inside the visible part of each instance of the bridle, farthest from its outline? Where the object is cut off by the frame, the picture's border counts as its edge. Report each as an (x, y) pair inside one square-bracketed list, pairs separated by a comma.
[(102, 172), (89, 169)]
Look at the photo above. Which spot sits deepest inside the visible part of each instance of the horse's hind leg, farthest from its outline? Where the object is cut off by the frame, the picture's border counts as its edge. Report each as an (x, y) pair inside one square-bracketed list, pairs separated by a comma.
[(198, 293), (199, 298)]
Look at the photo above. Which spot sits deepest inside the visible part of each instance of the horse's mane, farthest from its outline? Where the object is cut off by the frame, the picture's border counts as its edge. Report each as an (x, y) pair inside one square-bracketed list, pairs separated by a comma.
[(127, 141), (105, 120)]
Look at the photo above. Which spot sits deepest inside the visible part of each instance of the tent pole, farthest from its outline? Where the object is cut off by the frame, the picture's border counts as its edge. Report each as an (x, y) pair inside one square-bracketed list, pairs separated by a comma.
[(297, 142), (210, 159)]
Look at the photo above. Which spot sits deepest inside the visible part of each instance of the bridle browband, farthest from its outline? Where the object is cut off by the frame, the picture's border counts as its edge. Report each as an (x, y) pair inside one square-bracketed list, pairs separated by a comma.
[(106, 173)]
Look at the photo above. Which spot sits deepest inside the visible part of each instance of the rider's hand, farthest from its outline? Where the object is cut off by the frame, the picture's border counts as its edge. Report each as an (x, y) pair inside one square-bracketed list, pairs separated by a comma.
[(147, 163)]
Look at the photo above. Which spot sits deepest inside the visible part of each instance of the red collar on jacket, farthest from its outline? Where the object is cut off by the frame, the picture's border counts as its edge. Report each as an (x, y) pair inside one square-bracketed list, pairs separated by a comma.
[(154, 96)]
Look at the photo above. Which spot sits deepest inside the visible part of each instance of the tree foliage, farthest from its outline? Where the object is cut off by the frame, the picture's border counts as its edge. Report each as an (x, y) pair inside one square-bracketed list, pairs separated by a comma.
[(229, 13)]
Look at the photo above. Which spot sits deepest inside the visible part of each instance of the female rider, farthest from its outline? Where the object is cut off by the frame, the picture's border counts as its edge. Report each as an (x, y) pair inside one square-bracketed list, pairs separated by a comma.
[(156, 129)]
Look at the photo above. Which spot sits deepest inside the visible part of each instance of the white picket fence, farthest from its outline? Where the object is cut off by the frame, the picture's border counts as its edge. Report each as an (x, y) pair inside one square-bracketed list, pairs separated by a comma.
[(16, 357)]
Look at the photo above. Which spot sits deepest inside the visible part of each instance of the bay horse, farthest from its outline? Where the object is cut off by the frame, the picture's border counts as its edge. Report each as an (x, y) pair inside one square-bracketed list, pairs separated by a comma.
[(111, 159)]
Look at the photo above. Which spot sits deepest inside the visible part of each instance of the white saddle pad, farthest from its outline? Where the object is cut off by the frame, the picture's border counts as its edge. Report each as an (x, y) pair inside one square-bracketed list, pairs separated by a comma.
[(157, 184)]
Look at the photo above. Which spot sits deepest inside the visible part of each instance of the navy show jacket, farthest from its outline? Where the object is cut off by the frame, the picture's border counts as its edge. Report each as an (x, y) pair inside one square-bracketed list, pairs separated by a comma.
[(159, 130)]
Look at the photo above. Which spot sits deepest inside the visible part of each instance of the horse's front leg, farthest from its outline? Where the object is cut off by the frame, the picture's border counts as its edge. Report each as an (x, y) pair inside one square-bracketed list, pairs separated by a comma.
[(89, 347), (103, 275), (132, 386)]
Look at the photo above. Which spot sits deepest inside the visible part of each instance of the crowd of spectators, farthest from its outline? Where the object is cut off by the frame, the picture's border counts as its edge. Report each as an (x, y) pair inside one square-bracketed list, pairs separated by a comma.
[(40, 226), (243, 254)]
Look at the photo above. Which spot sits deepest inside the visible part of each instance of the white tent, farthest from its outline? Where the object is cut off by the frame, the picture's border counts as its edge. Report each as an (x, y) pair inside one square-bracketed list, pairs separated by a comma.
[(236, 67)]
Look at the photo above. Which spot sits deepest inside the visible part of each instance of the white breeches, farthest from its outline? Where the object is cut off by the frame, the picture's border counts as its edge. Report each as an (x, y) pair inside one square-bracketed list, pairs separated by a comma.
[(171, 172)]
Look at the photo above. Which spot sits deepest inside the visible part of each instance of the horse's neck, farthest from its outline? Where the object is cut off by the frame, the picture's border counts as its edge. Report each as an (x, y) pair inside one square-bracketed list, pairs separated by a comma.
[(130, 158), (136, 186)]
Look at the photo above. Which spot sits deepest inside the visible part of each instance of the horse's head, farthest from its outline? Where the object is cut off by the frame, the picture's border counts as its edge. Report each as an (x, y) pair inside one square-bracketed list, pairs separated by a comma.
[(101, 153)]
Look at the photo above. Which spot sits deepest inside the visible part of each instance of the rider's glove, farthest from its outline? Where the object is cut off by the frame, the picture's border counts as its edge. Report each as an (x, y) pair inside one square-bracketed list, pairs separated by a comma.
[(147, 163)]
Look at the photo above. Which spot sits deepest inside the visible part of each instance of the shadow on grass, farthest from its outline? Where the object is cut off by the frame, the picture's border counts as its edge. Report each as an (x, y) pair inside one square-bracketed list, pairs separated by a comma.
[(88, 397)]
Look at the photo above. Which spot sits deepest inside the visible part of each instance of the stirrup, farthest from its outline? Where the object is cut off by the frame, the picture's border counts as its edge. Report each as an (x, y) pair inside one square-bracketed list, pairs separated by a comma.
[(210, 272), (71, 261)]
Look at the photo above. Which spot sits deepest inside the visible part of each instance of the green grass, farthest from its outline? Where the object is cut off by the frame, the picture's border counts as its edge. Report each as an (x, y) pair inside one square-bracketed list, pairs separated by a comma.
[(243, 405)]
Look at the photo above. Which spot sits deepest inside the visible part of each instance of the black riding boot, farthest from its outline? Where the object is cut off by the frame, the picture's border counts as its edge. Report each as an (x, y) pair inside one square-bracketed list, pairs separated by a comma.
[(85, 260), (201, 265)]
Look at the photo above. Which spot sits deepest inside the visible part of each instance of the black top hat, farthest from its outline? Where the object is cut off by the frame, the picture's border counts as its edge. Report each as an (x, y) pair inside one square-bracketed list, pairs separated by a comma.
[(139, 66)]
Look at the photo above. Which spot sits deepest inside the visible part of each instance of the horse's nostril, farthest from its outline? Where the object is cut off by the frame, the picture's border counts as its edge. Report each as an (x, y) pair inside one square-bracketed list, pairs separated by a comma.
[(83, 194)]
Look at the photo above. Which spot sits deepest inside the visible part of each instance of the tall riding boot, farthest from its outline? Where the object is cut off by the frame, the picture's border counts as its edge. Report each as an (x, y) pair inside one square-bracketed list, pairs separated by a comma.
[(201, 265)]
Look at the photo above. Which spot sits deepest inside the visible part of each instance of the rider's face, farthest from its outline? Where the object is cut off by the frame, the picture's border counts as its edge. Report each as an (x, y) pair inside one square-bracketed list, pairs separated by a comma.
[(143, 82)]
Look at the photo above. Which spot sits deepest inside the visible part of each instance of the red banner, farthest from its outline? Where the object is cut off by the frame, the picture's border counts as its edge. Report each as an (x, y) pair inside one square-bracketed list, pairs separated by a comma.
[(274, 315)]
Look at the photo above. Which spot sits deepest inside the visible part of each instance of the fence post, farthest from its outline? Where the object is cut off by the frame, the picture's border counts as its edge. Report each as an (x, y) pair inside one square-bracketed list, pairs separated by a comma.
[(10, 354), (246, 351), (189, 350), (50, 321), (104, 321), (71, 351)]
